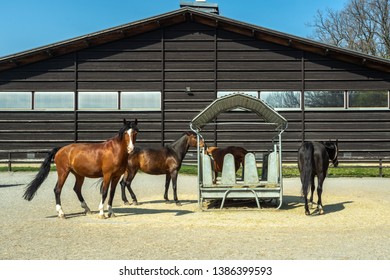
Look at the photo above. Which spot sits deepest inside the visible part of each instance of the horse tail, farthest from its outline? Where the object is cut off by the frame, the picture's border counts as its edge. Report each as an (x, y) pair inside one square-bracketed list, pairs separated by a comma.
[(34, 185), (306, 166)]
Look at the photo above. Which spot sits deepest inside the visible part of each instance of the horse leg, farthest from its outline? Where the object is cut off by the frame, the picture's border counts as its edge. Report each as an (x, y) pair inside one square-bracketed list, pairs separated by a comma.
[(62, 175), (167, 181), (127, 183), (307, 211), (106, 184), (321, 179), (114, 182), (313, 187), (305, 193), (77, 188), (174, 185)]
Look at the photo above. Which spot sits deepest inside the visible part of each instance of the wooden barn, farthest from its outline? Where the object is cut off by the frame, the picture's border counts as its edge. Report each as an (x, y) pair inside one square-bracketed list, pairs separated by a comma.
[(164, 70)]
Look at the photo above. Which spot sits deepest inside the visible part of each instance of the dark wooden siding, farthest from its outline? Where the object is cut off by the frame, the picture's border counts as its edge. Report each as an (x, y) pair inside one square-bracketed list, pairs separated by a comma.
[(207, 60)]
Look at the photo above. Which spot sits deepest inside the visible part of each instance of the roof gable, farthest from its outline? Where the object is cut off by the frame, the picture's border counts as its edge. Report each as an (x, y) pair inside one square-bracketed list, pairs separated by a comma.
[(189, 14)]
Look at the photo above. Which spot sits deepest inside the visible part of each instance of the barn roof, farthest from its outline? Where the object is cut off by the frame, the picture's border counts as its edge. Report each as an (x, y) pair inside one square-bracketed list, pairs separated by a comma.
[(189, 14), (242, 101)]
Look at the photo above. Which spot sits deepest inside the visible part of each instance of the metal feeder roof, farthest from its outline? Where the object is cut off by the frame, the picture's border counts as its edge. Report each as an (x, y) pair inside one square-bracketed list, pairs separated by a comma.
[(239, 100)]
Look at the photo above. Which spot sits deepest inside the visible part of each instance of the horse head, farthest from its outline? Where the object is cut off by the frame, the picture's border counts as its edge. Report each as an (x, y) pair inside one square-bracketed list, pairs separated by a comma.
[(333, 151), (192, 139), (129, 132), (210, 150)]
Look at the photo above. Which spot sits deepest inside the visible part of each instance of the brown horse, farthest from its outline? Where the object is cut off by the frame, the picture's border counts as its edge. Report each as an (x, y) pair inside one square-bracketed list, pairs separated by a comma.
[(93, 160), (166, 160), (217, 155)]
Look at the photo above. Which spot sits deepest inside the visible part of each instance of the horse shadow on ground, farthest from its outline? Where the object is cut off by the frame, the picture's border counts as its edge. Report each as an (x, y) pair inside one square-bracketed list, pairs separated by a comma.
[(170, 202), (292, 202), (130, 210), (10, 185)]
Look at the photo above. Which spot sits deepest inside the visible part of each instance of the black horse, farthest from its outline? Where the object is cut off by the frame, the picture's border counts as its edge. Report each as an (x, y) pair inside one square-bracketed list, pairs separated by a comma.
[(313, 159), (166, 160)]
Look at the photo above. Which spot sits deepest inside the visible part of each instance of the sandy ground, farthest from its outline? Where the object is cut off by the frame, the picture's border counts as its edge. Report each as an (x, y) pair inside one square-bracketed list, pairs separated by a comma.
[(355, 226)]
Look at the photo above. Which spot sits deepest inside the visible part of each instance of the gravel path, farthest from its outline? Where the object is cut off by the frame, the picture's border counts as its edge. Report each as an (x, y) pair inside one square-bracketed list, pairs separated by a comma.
[(355, 226)]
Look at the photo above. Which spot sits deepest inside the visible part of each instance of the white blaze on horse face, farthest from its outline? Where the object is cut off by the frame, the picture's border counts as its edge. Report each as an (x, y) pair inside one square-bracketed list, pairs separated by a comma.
[(130, 147)]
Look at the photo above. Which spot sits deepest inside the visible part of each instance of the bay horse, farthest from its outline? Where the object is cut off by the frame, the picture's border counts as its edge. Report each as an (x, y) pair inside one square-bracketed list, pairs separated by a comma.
[(218, 154), (313, 160), (93, 160), (166, 160)]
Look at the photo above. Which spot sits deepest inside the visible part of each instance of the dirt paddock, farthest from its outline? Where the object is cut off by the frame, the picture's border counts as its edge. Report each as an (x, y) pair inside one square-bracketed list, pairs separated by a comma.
[(356, 224)]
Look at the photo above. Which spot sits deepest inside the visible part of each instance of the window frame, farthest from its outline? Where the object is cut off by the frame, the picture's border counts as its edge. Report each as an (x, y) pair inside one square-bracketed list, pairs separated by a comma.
[(283, 91), (114, 94), (322, 108), (136, 109), (29, 108), (72, 108), (367, 108)]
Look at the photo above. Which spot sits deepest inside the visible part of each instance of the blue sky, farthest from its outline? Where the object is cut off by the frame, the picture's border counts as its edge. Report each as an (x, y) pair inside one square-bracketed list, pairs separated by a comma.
[(27, 24)]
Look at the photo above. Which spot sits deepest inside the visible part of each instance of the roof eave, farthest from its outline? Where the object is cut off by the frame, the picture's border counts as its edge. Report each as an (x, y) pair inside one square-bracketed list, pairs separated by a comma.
[(190, 14), (92, 39)]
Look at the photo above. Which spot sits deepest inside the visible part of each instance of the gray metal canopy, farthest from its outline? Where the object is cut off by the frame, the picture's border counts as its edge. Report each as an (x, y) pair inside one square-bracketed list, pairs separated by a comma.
[(238, 100)]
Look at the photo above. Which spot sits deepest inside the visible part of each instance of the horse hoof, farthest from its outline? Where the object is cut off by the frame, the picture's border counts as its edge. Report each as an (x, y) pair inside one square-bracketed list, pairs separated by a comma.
[(307, 213), (135, 202), (321, 212), (126, 203), (178, 203), (111, 215), (62, 216), (102, 217)]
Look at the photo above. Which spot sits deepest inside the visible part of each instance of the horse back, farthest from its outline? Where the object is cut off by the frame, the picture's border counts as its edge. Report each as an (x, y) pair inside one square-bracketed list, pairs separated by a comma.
[(321, 158), (219, 154), (153, 161), (313, 155)]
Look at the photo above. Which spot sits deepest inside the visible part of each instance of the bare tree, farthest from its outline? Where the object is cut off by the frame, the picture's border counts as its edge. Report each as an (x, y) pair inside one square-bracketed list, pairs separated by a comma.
[(362, 25)]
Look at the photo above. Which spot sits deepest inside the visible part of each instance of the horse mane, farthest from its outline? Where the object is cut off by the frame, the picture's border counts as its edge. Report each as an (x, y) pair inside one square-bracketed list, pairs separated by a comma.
[(188, 133), (122, 131)]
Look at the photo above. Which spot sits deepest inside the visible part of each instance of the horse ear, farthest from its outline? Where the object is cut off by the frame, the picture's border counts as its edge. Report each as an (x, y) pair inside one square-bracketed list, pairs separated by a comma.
[(136, 121), (124, 121)]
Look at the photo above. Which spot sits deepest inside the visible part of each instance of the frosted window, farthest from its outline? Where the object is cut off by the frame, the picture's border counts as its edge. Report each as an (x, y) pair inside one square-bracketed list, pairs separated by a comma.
[(98, 100), (54, 100), (15, 100), (148, 100)]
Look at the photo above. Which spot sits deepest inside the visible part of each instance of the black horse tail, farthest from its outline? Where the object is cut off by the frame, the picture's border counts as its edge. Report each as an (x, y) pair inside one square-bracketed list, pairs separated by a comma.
[(307, 167), (34, 185)]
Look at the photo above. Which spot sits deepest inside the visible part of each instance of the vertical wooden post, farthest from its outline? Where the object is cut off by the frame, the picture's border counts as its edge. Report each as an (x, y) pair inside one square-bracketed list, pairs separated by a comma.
[(303, 137), (9, 162), (162, 87), (76, 97)]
